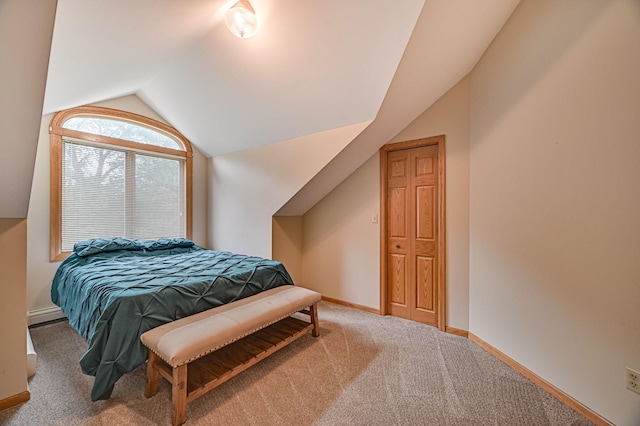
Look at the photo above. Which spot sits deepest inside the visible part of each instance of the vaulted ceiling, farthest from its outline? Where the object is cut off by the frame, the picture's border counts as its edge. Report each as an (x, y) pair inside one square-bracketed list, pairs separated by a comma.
[(312, 66)]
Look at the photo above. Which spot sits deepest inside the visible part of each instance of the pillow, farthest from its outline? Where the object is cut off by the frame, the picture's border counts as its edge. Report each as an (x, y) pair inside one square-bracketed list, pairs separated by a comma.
[(167, 243), (104, 245)]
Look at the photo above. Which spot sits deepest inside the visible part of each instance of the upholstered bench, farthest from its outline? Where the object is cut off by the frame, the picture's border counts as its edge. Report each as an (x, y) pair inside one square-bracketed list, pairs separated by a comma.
[(202, 351)]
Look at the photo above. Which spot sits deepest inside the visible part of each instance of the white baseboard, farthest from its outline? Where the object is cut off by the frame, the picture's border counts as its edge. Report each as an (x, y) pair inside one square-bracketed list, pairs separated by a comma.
[(43, 315)]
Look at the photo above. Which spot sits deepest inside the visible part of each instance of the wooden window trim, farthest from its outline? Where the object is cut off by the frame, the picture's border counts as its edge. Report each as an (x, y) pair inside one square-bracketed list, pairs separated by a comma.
[(56, 133)]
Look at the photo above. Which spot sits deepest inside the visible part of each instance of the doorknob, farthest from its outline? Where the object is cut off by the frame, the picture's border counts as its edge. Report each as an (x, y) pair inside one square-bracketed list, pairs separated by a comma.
[(397, 246)]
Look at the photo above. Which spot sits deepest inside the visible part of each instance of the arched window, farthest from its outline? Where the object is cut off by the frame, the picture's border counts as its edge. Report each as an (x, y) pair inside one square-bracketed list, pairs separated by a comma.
[(116, 174)]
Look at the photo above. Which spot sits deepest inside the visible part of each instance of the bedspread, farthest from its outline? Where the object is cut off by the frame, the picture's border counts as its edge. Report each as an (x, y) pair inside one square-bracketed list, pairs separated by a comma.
[(112, 297)]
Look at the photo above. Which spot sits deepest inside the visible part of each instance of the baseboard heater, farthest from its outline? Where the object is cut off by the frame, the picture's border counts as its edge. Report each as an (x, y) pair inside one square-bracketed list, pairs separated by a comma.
[(38, 316), (31, 356)]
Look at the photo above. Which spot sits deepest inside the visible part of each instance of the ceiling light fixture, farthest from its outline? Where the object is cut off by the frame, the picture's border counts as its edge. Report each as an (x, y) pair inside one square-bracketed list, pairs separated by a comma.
[(241, 19)]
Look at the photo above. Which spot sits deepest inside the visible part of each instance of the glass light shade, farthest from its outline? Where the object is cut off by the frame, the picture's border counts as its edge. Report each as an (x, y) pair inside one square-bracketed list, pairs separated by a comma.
[(241, 19)]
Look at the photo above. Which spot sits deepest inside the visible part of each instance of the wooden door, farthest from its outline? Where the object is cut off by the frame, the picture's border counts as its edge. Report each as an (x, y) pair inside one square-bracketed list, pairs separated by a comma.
[(412, 212)]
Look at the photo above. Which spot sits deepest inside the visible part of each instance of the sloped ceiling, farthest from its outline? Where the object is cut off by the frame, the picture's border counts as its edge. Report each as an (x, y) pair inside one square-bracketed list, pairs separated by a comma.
[(312, 66), (25, 39), (447, 42)]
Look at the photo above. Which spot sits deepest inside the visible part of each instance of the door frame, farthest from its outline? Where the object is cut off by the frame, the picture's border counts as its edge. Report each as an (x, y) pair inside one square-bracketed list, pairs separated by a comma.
[(441, 216)]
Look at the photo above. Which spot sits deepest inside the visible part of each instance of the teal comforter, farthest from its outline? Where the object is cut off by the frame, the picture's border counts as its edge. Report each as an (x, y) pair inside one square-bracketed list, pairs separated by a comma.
[(111, 296)]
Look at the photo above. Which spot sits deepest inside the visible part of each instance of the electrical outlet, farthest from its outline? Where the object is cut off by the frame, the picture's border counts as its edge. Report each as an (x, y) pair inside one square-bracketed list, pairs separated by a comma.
[(633, 380)]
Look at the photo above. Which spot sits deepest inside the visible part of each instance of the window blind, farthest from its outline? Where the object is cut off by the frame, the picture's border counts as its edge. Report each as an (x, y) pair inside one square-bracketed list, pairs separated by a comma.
[(114, 193)]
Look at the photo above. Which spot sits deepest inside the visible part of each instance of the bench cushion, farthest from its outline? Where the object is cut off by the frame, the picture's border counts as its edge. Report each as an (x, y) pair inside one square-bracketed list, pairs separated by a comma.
[(189, 338)]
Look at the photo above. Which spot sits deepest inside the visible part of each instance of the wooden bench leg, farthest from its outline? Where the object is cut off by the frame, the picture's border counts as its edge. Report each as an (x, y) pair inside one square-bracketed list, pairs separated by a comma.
[(179, 395), (152, 375), (314, 320)]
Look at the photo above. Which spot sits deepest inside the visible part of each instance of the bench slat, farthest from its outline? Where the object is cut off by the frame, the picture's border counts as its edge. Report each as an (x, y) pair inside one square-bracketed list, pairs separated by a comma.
[(213, 359)]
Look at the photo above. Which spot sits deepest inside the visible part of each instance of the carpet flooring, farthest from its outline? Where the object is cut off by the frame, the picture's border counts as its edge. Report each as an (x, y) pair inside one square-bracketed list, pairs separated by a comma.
[(364, 369)]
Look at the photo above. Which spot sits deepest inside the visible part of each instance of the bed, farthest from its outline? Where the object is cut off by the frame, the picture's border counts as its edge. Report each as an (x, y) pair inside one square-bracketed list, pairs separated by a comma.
[(113, 290)]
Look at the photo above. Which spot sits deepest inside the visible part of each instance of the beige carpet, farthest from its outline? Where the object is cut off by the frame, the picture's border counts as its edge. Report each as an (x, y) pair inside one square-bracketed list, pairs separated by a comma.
[(363, 370)]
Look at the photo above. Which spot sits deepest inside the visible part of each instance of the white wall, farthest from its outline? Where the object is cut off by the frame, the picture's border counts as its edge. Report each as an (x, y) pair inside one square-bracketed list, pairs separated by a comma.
[(13, 274), (39, 270), (555, 197), (248, 187), (287, 245), (341, 246), (25, 40)]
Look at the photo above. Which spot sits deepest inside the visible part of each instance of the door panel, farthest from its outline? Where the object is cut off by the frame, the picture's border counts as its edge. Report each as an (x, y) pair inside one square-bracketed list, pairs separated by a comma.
[(397, 213), (398, 279), (425, 213), (424, 166), (398, 167), (425, 283)]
